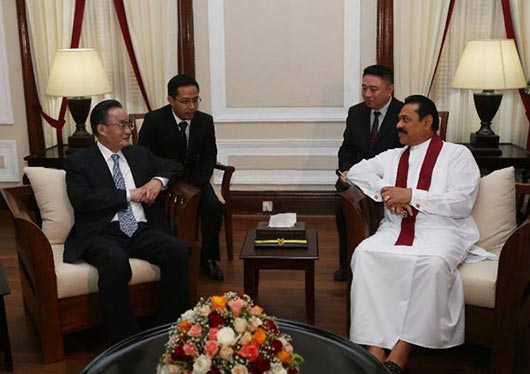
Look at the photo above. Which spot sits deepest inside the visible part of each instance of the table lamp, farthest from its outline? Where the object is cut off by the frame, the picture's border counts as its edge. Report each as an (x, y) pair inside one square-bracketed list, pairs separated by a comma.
[(78, 74), (488, 65)]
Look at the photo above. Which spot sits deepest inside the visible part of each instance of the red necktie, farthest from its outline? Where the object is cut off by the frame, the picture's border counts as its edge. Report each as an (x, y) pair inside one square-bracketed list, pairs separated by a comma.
[(375, 127)]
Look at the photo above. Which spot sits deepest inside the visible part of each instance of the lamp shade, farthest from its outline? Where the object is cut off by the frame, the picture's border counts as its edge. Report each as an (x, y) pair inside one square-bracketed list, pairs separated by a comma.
[(489, 65), (77, 73)]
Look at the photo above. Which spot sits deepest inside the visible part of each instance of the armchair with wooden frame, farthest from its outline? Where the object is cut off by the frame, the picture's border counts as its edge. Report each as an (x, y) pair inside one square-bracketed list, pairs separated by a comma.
[(55, 316), (500, 327), (225, 196)]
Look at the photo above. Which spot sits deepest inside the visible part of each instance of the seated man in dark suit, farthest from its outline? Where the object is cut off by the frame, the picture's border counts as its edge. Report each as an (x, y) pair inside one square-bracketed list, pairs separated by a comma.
[(180, 131), (113, 188), (370, 130)]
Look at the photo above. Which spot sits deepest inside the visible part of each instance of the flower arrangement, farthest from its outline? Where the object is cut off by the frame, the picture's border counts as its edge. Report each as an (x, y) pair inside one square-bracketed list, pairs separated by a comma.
[(228, 334)]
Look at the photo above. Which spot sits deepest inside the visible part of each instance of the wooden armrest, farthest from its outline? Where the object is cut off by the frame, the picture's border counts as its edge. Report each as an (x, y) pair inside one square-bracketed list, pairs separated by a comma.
[(362, 216), (227, 178), (182, 201), (522, 193)]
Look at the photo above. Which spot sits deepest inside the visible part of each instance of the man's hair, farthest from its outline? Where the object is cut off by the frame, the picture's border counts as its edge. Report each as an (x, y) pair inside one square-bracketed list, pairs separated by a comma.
[(100, 112), (425, 107), (380, 71), (180, 80)]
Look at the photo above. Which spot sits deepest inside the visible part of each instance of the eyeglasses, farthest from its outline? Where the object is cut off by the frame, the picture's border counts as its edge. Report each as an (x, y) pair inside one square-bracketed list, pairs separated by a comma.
[(130, 124), (195, 101)]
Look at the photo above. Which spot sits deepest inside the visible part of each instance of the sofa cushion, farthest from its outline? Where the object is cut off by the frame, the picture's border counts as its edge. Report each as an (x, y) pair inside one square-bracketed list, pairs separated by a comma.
[(81, 278), (479, 280), (56, 212), (494, 209)]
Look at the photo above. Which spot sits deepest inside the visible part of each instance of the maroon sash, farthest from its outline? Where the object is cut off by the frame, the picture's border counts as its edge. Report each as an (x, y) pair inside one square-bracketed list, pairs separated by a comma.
[(406, 236)]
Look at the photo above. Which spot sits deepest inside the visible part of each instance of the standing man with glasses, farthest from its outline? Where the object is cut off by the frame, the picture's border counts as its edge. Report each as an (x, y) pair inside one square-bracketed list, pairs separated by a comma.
[(370, 130), (180, 131), (113, 188)]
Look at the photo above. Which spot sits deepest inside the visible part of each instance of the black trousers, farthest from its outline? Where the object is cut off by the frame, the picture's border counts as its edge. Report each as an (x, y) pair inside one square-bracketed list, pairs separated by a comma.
[(211, 216), (110, 253)]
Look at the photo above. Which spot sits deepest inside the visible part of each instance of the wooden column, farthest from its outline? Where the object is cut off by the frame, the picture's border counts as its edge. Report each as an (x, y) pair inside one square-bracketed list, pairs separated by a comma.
[(385, 33), (186, 39), (31, 97)]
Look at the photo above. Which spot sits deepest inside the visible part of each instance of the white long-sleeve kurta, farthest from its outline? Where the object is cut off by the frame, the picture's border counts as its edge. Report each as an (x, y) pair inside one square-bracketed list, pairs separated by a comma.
[(414, 293)]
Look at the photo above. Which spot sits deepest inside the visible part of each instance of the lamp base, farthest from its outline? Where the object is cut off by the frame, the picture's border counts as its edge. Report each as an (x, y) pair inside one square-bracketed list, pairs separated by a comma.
[(484, 140), (79, 108), (78, 141)]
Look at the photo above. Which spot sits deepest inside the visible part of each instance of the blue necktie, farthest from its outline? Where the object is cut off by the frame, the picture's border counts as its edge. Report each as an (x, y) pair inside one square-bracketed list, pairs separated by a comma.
[(126, 218)]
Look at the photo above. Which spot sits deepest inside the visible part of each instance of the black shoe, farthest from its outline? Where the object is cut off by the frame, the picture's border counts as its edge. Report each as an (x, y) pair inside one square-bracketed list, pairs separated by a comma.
[(341, 275), (212, 270), (393, 368)]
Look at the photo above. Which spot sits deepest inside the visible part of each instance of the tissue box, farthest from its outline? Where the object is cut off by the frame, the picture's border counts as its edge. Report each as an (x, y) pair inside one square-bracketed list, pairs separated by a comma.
[(280, 236)]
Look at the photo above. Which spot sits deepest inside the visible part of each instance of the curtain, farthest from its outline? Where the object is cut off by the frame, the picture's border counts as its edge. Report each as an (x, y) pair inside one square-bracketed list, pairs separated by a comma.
[(154, 34), (520, 12), (474, 20), (50, 27), (418, 32)]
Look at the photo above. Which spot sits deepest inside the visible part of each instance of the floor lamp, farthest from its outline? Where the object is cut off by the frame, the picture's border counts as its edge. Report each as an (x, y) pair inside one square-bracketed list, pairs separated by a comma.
[(78, 74), (488, 65)]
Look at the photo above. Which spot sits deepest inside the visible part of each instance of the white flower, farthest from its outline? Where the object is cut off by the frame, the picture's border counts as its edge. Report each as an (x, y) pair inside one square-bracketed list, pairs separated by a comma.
[(226, 336), (188, 315), (245, 338), (226, 352), (239, 369), (201, 365), (254, 323), (277, 368), (286, 345), (204, 310), (240, 325)]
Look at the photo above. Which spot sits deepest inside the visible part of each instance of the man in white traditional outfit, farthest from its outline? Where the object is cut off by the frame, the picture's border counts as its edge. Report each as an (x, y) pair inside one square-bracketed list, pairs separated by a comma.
[(406, 288)]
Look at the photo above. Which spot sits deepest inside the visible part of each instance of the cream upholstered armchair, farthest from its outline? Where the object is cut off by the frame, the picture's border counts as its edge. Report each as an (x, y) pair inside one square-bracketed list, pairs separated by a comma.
[(496, 293), (222, 191), (63, 298)]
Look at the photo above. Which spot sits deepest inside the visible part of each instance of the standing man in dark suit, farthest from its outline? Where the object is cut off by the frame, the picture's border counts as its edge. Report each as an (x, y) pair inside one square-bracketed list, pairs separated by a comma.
[(180, 131), (370, 130), (113, 188)]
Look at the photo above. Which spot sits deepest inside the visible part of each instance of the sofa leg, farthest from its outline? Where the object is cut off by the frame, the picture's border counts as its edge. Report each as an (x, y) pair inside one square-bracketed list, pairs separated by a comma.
[(51, 340)]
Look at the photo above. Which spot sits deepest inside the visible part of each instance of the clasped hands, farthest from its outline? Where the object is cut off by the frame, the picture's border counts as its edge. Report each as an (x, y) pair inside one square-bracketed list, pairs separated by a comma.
[(397, 200), (147, 193)]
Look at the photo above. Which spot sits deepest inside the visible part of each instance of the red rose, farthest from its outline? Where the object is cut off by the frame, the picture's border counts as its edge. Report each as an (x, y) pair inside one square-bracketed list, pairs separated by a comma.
[(276, 346), (215, 320), (271, 326), (249, 351), (260, 365), (178, 353), (292, 371), (214, 370)]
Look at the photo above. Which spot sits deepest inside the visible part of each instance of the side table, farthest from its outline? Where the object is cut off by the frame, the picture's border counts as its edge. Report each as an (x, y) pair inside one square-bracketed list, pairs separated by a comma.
[(6, 360), (255, 260)]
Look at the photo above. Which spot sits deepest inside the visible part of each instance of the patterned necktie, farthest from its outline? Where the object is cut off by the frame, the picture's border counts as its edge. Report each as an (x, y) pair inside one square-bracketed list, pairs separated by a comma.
[(128, 224), (182, 126), (375, 127)]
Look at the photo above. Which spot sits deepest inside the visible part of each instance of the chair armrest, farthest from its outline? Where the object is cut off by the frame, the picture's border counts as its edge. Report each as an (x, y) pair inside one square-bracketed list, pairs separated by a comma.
[(227, 178), (522, 193), (182, 201), (362, 216)]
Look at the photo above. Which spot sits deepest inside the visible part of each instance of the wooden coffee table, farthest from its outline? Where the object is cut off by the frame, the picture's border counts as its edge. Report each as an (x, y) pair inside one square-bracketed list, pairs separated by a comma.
[(281, 258)]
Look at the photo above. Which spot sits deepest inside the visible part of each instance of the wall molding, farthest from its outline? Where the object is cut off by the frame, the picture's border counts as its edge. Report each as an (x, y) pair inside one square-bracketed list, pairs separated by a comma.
[(278, 147), (6, 107), (8, 150), (222, 113)]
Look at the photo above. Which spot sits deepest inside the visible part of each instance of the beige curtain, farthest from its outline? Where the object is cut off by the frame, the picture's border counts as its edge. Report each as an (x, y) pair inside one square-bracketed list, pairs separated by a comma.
[(418, 33), (154, 32), (475, 20), (50, 26)]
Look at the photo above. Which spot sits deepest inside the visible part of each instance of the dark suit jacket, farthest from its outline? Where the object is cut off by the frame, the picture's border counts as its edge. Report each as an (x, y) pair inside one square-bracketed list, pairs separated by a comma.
[(356, 144), (96, 199), (161, 135)]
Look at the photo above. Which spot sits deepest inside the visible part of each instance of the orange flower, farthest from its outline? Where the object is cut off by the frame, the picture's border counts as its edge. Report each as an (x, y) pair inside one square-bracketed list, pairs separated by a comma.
[(259, 336), (219, 302), (184, 326), (256, 310), (285, 357)]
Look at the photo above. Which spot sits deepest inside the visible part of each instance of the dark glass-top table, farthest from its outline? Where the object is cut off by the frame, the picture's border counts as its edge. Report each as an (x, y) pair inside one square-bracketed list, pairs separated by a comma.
[(323, 352)]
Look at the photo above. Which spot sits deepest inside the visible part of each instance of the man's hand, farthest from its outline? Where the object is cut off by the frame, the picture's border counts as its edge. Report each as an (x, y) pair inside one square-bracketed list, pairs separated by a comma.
[(148, 192), (342, 177), (397, 200)]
